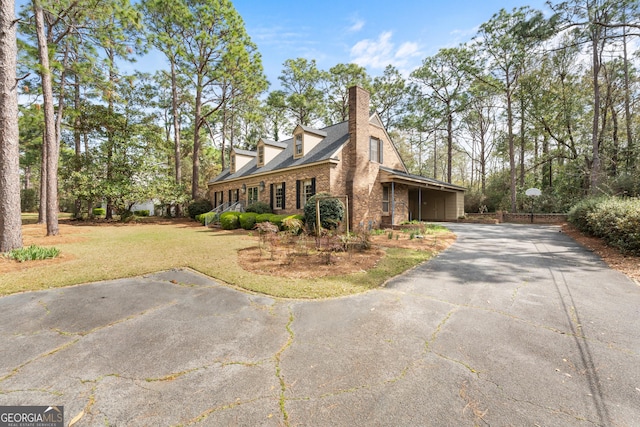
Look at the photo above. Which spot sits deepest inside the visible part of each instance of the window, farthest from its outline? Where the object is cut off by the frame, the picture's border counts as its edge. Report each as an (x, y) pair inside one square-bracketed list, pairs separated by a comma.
[(232, 163), (278, 202), (261, 155), (375, 150), (304, 190), (218, 198), (298, 148), (233, 196), (385, 199), (252, 195)]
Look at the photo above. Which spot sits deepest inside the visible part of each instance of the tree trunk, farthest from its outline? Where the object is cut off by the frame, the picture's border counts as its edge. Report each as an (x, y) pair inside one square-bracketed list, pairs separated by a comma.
[(512, 156), (42, 207), (10, 220), (49, 125), (595, 143), (195, 178), (631, 152), (77, 140), (176, 131), (110, 136), (449, 145)]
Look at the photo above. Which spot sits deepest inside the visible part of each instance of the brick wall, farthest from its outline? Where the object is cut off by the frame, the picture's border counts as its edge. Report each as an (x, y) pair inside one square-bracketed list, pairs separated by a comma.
[(320, 173)]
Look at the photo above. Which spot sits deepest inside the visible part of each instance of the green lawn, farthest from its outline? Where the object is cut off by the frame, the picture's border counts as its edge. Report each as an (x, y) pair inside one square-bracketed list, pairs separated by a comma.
[(92, 253)]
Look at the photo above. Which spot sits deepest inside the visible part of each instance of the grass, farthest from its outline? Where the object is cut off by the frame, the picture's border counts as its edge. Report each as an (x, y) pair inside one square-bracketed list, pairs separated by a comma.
[(92, 253)]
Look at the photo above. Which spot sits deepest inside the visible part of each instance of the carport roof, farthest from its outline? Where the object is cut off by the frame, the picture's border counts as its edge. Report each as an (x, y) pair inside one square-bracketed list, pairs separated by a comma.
[(401, 177)]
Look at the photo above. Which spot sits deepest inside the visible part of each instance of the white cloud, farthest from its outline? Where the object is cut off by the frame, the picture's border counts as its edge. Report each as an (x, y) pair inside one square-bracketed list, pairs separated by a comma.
[(382, 51), (357, 25)]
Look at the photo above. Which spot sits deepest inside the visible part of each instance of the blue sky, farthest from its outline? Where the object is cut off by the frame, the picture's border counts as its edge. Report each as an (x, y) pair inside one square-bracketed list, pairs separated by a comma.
[(371, 33)]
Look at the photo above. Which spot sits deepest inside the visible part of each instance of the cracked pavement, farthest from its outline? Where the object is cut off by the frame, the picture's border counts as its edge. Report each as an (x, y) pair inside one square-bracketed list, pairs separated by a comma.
[(512, 325)]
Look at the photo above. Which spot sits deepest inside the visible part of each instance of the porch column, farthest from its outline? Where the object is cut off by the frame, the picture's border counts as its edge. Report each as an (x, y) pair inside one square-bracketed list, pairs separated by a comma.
[(393, 203), (419, 204)]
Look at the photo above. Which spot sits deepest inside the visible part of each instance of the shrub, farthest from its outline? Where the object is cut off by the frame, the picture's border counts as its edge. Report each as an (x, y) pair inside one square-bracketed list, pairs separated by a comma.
[(277, 219), (293, 224), (616, 220), (33, 252), (198, 207), (248, 220), (259, 208), (142, 212), (99, 211), (28, 200), (331, 211), (264, 217), (207, 218), (578, 215), (230, 220)]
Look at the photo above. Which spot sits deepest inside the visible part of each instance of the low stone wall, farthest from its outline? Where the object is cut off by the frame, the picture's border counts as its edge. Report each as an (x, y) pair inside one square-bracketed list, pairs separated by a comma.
[(520, 218)]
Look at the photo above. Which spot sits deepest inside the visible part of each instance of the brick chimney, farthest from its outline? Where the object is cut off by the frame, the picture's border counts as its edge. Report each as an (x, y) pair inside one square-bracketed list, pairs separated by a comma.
[(357, 154)]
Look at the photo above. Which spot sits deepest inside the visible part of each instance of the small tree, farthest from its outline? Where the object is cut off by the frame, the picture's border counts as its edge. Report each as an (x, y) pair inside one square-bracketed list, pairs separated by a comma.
[(331, 211)]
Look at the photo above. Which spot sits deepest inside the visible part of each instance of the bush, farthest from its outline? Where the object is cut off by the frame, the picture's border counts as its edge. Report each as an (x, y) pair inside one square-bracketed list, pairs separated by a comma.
[(28, 200), (207, 218), (293, 224), (264, 217), (33, 252), (230, 220), (578, 215), (247, 220), (259, 208), (142, 212), (277, 219), (99, 211), (198, 207), (615, 220), (331, 212)]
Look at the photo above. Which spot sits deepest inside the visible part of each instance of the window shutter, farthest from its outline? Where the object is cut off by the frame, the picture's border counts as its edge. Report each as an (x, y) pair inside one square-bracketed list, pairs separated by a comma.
[(313, 186), (237, 194), (284, 193), (222, 197), (271, 195), (380, 151), (215, 199), (297, 194), (230, 198)]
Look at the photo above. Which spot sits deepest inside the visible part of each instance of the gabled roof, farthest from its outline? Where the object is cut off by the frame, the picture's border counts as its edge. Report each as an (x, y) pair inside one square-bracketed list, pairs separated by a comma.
[(245, 152), (336, 136), (274, 143), (315, 131), (393, 175)]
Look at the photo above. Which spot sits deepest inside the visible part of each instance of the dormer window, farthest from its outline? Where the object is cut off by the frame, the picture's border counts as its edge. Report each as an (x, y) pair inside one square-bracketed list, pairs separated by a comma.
[(298, 147), (261, 155), (232, 163)]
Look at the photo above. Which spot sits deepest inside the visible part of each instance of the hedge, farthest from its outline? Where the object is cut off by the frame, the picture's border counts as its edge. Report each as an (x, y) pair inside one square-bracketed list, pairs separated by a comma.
[(206, 218), (615, 220), (99, 211), (259, 208), (248, 220), (230, 220)]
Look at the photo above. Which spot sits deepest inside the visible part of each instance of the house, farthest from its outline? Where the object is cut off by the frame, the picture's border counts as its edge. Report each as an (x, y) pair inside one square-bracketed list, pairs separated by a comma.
[(355, 158)]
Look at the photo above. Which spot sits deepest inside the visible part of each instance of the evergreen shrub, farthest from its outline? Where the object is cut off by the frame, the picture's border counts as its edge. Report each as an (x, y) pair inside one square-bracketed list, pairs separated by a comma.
[(198, 207), (230, 220), (331, 212), (247, 220)]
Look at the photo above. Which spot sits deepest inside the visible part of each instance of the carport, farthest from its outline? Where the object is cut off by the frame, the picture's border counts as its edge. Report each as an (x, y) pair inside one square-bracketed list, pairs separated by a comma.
[(427, 199)]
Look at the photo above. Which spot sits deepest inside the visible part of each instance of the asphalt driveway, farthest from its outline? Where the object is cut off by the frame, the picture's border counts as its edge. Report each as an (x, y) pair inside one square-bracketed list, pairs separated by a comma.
[(514, 325)]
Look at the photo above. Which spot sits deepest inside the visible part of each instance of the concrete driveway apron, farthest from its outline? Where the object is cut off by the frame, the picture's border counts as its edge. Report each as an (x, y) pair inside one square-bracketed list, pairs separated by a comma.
[(513, 325)]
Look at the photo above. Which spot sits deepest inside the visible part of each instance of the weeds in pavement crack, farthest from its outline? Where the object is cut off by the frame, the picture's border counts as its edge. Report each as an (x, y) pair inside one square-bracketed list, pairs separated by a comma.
[(283, 386)]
